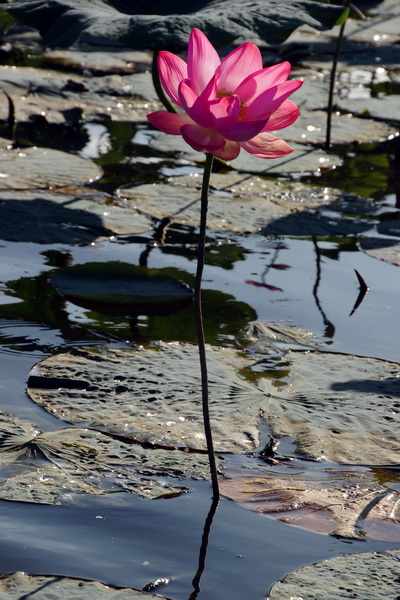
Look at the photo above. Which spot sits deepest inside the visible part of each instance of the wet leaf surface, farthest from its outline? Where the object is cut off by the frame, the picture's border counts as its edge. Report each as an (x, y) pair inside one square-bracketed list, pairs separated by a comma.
[(387, 249), (153, 394), (331, 500), (237, 202), (240, 202), (52, 467), (340, 408), (262, 336), (31, 168), (75, 216), (346, 128), (369, 576), (20, 585), (50, 97), (304, 158)]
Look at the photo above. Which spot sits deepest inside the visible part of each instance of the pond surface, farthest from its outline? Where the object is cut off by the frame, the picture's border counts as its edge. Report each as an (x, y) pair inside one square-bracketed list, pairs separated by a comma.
[(303, 277)]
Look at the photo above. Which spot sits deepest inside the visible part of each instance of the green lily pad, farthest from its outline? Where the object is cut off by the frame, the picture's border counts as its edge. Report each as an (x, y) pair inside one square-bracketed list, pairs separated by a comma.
[(153, 393), (36, 94), (346, 128), (237, 202), (138, 25), (44, 587), (263, 336), (30, 168), (387, 249), (74, 215), (303, 158), (52, 467), (340, 408), (117, 288), (370, 576)]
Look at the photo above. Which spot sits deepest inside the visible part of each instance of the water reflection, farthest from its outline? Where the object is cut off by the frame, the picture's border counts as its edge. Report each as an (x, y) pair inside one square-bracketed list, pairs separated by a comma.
[(329, 327)]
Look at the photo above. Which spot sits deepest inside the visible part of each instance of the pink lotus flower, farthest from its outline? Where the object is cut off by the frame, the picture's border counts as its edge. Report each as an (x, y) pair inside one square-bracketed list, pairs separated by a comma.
[(229, 104)]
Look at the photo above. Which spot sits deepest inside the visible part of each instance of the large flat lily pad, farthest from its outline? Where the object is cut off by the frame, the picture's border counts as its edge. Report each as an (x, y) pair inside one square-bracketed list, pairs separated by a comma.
[(303, 158), (52, 467), (74, 215), (236, 203), (50, 96), (46, 587), (30, 168), (340, 408), (154, 394), (369, 576), (333, 500), (387, 249)]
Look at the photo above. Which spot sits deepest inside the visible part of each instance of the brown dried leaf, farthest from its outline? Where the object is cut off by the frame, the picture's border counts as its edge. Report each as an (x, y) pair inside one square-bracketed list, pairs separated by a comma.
[(345, 503)]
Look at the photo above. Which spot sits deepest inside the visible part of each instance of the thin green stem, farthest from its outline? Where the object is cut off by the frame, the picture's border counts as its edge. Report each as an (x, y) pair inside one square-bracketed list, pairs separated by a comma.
[(332, 85), (157, 83), (349, 6), (200, 327)]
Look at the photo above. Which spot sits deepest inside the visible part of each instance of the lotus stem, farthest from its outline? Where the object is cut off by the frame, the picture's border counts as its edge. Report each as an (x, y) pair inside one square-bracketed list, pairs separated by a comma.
[(332, 84), (200, 327), (350, 7), (203, 549)]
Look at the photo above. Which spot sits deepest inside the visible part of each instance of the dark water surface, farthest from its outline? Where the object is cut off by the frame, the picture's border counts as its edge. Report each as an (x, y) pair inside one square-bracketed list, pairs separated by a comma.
[(130, 542), (119, 538)]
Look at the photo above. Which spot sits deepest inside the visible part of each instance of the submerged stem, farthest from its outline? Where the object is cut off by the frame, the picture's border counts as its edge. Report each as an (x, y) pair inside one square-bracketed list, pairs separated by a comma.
[(200, 327), (203, 549), (157, 83)]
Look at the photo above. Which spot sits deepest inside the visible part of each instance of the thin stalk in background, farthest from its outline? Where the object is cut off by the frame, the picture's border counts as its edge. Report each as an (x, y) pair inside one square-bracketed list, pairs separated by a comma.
[(338, 48), (157, 83), (199, 324), (348, 6)]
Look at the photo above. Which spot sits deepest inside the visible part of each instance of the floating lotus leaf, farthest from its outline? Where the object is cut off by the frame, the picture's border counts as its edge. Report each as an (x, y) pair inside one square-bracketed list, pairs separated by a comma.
[(101, 61), (50, 97), (346, 128), (49, 468), (303, 158), (263, 336), (370, 576), (383, 248), (146, 24), (340, 408), (334, 500), (43, 587), (71, 216), (153, 393), (30, 168), (391, 227), (117, 288), (236, 202)]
